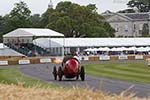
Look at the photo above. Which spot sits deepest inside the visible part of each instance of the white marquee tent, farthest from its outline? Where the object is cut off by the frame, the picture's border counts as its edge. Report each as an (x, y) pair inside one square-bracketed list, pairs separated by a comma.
[(28, 34)]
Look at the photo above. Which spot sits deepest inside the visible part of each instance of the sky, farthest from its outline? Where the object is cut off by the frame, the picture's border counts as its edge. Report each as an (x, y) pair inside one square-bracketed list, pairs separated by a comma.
[(40, 6)]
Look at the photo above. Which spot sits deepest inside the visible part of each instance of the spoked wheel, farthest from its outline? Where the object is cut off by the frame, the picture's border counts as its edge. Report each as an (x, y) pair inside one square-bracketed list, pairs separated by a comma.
[(55, 73), (60, 73), (77, 77), (82, 73)]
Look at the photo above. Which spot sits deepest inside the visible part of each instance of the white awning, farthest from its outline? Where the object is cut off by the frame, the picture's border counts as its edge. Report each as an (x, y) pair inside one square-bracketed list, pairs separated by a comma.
[(94, 42), (5, 51)]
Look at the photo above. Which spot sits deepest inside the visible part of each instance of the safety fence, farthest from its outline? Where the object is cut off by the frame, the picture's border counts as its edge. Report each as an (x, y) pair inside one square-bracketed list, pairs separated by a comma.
[(40, 60), (25, 60), (114, 57)]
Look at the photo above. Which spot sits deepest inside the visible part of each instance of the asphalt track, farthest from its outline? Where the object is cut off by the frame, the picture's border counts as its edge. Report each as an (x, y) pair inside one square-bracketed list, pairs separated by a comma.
[(44, 72)]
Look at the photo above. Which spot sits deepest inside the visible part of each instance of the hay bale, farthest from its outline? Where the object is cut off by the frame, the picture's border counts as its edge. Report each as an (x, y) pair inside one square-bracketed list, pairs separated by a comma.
[(146, 57), (131, 57), (114, 57), (12, 62), (91, 58)]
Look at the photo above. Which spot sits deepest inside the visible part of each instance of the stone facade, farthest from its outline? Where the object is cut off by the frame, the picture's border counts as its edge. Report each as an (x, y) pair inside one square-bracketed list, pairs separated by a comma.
[(128, 25)]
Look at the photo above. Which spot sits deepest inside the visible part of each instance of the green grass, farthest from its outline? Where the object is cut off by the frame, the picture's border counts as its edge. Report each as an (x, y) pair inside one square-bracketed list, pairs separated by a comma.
[(13, 76), (125, 70)]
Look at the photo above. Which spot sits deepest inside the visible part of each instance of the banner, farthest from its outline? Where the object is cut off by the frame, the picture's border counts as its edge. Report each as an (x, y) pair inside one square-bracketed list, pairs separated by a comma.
[(139, 57), (3, 62), (123, 57), (46, 60), (104, 58), (84, 58), (22, 62)]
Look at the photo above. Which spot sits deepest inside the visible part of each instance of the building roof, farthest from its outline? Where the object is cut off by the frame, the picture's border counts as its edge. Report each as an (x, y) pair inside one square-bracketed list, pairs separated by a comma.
[(91, 42), (138, 16), (130, 16), (30, 32), (5, 51)]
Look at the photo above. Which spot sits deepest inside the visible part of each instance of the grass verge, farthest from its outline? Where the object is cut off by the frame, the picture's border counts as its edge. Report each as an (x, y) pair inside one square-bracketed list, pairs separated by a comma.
[(13, 76), (124, 70)]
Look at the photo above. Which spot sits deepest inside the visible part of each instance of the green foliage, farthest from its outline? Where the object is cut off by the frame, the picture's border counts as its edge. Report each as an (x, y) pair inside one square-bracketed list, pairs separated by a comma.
[(45, 17), (109, 30), (1, 23), (141, 5), (124, 70), (17, 18), (74, 20), (13, 76), (127, 11), (68, 18), (35, 21)]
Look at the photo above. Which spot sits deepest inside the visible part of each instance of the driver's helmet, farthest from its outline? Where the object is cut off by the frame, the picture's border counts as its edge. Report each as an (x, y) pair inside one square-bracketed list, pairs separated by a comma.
[(77, 58)]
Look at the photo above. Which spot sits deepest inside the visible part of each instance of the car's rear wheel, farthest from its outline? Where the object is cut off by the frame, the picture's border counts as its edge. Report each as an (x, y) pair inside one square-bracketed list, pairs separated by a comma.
[(60, 73), (82, 73), (77, 77), (55, 73)]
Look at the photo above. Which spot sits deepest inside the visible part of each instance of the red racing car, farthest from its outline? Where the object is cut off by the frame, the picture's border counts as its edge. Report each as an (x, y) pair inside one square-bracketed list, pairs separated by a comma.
[(70, 69)]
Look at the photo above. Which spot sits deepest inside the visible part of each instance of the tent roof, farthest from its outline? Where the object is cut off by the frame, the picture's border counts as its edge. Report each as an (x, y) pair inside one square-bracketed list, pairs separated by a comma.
[(30, 32), (92, 42), (6, 51)]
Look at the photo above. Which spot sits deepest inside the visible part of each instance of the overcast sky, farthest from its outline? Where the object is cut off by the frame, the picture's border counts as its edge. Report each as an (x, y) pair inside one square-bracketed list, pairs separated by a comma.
[(40, 6)]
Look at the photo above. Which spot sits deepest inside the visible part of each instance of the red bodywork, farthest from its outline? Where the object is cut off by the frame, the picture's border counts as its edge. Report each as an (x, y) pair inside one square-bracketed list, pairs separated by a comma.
[(71, 68)]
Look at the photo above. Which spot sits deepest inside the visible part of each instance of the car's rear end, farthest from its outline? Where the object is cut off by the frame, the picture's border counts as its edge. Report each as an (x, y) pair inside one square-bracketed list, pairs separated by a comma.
[(71, 68)]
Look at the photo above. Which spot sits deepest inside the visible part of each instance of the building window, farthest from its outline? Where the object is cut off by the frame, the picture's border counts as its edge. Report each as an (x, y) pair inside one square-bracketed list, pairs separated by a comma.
[(116, 28), (27, 40), (22, 40), (13, 40), (134, 26), (141, 27), (126, 28)]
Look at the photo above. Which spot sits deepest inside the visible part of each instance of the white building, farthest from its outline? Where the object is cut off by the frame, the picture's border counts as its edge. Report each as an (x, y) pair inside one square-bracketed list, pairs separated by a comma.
[(128, 24)]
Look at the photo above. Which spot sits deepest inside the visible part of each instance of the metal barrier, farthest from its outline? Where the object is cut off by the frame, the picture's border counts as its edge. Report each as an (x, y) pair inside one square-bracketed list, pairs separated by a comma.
[(41, 60)]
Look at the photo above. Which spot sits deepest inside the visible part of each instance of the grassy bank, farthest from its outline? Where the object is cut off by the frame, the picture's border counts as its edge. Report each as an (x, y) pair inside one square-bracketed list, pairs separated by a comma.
[(13, 75), (18, 92), (125, 70)]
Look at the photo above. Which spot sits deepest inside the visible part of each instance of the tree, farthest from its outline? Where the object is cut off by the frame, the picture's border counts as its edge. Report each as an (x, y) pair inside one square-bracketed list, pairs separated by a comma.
[(127, 11), (108, 29), (35, 21), (1, 24), (45, 17), (19, 17), (141, 5), (1, 27), (74, 20)]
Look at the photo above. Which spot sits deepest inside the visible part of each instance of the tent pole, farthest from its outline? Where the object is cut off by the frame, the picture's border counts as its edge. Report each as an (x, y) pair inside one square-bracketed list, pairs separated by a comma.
[(63, 48), (50, 44), (34, 45)]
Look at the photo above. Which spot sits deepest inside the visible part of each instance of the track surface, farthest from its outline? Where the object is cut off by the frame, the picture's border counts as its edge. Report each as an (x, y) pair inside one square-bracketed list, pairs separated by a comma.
[(44, 72)]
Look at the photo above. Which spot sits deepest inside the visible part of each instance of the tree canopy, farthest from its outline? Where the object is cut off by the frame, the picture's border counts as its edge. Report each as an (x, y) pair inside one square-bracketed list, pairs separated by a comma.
[(141, 5), (79, 21), (71, 19), (19, 17), (127, 11)]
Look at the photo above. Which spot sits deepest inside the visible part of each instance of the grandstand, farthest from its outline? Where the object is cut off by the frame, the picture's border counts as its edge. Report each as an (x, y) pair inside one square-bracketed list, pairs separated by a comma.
[(21, 39), (80, 44)]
